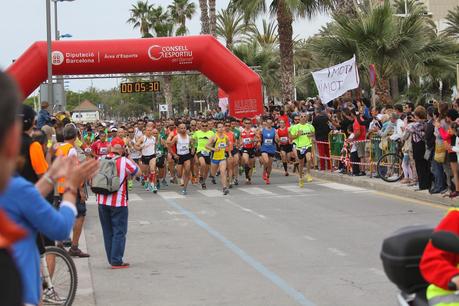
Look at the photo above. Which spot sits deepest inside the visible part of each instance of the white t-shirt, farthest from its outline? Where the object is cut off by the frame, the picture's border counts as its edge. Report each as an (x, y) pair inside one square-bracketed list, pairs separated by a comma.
[(149, 146)]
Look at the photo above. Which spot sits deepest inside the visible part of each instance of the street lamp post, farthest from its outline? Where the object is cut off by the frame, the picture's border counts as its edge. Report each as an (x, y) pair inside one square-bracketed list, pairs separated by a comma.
[(50, 66)]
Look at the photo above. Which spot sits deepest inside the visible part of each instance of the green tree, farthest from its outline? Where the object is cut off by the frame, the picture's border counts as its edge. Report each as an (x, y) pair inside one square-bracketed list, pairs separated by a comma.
[(452, 21), (139, 17), (285, 11), (231, 26), (205, 25), (268, 36), (180, 11)]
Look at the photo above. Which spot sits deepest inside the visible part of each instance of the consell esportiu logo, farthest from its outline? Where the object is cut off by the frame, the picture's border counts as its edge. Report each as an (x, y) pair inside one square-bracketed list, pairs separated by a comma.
[(157, 52)]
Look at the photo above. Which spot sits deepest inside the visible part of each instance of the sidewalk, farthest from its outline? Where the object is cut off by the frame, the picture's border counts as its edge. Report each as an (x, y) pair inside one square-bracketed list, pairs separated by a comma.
[(85, 290), (379, 185)]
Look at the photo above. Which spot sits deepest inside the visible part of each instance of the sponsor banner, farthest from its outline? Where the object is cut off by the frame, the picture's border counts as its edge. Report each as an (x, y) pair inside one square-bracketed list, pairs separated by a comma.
[(335, 81)]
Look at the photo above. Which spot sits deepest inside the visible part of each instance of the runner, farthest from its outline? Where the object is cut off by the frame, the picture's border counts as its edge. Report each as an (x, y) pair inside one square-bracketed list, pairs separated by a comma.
[(182, 142), (133, 153), (100, 147), (219, 144), (302, 134), (171, 161), (285, 146), (201, 138), (161, 155), (230, 160), (236, 153), (248, 149), (268, 148), (194, 164), (147, 145)]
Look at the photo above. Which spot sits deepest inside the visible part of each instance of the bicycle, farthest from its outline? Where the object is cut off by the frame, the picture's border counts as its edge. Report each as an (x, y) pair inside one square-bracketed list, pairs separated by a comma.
[(59, 286), (389, 166)]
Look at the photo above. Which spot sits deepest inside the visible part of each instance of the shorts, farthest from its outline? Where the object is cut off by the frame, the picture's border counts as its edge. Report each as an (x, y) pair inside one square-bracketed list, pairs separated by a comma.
[(146, 159), (250, 152), (160, 161), (452, 157), (183, 158), (257, 152), (302, 156), (136, 160), (287, 148), (81, 209), (234, 152), (360, 149), (217, 162), (269, 154), (206, 158)]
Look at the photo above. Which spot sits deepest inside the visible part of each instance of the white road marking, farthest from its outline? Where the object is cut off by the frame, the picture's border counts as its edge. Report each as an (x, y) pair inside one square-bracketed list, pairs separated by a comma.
[(173, 213), (310, 238), (141, 222), (295, 188), (246, 209), (337, 252), (211, 193), (256, 191), (377, 271), (342, 187), (170, 195)]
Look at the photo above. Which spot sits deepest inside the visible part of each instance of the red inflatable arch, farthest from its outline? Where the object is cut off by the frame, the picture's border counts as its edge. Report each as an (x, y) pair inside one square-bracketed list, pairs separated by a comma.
[(201, 53)]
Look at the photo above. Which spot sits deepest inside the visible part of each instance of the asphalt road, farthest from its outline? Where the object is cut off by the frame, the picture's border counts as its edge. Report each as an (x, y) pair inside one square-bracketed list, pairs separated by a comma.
[(261, 245)]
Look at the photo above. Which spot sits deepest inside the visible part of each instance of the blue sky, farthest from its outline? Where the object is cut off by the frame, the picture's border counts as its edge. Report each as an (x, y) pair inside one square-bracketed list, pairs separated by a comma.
[(23, 22)]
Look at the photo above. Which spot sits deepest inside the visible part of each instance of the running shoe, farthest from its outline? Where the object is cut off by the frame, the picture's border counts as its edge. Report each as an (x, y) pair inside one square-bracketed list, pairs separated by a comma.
[(146, 185), (267, 181), (286, 174), (308, 178), (236, 182), (50, 297), (265, 176), (184, 191), (164, 182), (201, 180), (301, 183), (248, 181), (213, 180), (130, 185), (230, 186), (204, 186), (225, 191), (153, 188), (158, 185)]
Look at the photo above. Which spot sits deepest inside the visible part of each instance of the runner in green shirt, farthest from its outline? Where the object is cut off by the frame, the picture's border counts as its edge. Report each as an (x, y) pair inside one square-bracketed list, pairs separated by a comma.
[(301, 135), (161, 155), (201, 138)]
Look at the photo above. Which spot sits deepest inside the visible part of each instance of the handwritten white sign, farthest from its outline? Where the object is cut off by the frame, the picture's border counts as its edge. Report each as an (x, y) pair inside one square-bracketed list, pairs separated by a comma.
[(163, 107), (333, 82)]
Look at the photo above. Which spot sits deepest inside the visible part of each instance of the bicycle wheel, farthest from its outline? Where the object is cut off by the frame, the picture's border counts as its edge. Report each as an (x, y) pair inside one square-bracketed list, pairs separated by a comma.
[(64, 279), (390, 167)]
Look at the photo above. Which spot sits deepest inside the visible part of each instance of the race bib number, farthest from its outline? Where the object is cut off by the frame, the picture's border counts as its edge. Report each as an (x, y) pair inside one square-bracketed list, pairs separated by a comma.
[(246, 141), (159, 154), (284, 139), (222, 145), (268, 141), (303, 151), (205, 153), (184, 148), (104, 151)]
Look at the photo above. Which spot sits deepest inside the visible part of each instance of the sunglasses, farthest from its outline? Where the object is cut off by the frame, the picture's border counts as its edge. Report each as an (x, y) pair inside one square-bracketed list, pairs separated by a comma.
[(204, 125)]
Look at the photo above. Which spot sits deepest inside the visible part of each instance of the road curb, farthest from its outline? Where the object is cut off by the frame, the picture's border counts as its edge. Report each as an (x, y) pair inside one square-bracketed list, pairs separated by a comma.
[(391, 188), (85, 295)]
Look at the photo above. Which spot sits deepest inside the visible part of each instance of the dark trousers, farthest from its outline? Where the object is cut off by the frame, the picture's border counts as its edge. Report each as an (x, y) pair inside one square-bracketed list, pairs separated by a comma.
[(423, 171), (439, 176), (114, 221), (324, 151), (355, 159), (10, 281)]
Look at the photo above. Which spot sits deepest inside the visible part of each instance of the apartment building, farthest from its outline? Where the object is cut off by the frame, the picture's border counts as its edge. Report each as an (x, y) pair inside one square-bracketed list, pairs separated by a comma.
[(439, 9)]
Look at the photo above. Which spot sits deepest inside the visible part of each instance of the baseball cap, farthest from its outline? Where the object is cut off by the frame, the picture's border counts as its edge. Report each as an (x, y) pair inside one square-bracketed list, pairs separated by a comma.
[(113, 129), (28, 117), (117, 142)]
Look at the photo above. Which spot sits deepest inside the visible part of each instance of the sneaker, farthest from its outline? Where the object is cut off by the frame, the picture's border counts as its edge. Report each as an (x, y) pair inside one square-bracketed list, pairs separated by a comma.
[(164, 182), (76, 252), (146, 185), (203, 186), (308, 178), (201, 181), (248, 181), (301, 183), (123, 265), (184, 191), (230, 186), (267, 181), (153, 188), (51, 297), (286, 174), (158, 186), (225, 191), (213, 180), (236, 182), (265, 176)]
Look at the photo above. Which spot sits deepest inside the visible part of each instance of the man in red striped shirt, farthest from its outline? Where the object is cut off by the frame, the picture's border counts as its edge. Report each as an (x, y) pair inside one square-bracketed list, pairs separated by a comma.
[(113, 208)]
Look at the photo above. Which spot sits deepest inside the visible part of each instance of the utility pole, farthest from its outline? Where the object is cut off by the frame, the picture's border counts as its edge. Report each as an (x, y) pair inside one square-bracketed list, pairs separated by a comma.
[(50, 66)]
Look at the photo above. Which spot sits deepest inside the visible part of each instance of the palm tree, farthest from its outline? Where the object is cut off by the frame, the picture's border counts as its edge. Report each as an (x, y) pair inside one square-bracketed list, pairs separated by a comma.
[(268, 36), (139, 17), (180, 11), (205, 26), (231, 26), (452, 20), (213, 17), (345, 7), (376, 36), (285, 11)]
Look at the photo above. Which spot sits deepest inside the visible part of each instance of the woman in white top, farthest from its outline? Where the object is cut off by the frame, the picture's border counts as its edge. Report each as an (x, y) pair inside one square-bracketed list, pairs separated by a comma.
[(147, 145), (183, 143)]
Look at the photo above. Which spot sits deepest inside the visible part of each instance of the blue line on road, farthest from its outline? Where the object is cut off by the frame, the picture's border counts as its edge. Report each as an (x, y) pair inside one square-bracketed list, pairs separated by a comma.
[(271, 276)]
